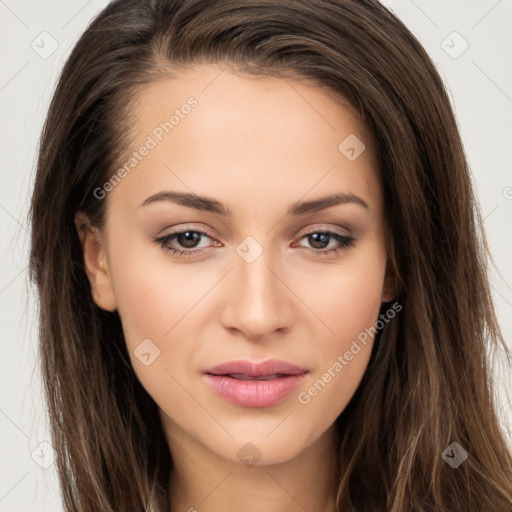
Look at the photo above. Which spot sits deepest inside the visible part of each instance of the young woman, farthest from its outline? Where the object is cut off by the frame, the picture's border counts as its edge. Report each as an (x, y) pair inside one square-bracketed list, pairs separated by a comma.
[(261, 268)]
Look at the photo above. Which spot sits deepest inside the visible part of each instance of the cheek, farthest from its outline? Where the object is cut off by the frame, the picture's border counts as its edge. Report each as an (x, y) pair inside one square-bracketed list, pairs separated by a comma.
[(152, 292), (153, 301), (351, 295), (349, 306)]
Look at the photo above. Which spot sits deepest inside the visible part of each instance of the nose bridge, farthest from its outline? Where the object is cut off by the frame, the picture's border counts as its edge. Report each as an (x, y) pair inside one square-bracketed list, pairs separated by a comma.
[(257, 282), (258, 299)]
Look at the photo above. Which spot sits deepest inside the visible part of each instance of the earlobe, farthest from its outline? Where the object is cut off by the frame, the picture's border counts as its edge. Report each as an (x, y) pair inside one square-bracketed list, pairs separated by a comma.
[(95, 263)]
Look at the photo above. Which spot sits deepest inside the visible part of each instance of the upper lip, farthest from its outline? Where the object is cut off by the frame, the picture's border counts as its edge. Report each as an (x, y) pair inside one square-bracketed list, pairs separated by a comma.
[(256, 369)]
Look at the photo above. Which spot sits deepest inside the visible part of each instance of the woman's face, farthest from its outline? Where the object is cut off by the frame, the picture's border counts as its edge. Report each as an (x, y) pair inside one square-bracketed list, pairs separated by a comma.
[(255, 159)]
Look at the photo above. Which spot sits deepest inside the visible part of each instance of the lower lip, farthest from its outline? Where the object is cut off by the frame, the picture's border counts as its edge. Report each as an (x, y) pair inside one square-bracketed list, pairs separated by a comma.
[(254, 393)]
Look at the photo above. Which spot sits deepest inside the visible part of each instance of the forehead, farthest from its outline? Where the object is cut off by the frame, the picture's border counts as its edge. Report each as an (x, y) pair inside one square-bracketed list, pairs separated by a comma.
[(216, 132)]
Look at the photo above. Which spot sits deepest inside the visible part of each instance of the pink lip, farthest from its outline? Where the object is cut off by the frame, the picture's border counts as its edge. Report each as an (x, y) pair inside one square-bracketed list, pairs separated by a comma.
[(236, 381)]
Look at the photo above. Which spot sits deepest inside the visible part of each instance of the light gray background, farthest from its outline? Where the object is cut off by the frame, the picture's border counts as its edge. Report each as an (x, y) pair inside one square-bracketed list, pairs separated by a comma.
[(480, 85)]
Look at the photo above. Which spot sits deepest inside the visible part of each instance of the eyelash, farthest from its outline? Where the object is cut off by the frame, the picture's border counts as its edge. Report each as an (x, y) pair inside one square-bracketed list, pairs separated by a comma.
[(346, 242)]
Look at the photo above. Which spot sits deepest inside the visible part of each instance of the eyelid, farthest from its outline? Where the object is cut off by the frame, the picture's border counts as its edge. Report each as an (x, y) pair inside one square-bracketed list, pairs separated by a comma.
[(346, 240), (332, 229), (310, 230), (174, 230)]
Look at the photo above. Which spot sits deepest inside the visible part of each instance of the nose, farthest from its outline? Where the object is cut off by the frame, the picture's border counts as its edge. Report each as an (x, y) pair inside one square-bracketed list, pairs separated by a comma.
[(258, 299)]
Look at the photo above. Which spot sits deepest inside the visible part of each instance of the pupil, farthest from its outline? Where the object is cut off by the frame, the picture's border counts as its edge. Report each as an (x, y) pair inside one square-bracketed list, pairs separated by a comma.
[(189, 238), (321, 238)]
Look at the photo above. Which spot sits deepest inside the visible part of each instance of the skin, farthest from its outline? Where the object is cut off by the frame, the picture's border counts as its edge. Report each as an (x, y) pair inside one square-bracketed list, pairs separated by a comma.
[(257, 145)]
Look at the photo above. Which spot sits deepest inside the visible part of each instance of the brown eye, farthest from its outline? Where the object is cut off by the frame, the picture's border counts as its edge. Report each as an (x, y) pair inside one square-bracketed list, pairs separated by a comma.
[(182, 242), (319, 240), (188, 239)]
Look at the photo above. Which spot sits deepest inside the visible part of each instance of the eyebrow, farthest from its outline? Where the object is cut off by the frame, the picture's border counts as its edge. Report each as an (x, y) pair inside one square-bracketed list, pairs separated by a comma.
[(211, 205)]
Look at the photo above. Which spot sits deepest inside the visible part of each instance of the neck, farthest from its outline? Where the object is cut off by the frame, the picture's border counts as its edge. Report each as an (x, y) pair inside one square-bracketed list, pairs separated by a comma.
[(202, 481)]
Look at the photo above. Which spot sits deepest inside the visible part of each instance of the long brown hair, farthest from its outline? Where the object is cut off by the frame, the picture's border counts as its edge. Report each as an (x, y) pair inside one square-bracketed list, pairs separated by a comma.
[(429, 380)]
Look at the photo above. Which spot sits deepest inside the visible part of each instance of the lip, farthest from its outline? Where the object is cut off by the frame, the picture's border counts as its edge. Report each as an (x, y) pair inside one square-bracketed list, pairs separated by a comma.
[(256, 369), (255, 384)]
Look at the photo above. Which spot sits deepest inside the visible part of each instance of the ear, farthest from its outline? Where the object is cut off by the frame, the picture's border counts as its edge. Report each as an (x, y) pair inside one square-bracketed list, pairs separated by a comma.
[(389, 290), (95, 262)]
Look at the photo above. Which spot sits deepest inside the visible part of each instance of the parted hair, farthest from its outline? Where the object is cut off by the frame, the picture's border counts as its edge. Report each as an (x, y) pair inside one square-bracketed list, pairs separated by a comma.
[(429, 381)]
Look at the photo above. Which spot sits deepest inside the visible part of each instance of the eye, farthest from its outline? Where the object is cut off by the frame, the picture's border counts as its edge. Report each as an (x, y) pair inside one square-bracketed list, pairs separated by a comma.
[(186, 238), (321, 239)]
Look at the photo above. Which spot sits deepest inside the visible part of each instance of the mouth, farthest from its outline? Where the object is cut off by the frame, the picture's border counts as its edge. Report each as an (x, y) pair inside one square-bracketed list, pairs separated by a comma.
[(252, 384), (243, 368), (242, 376)]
